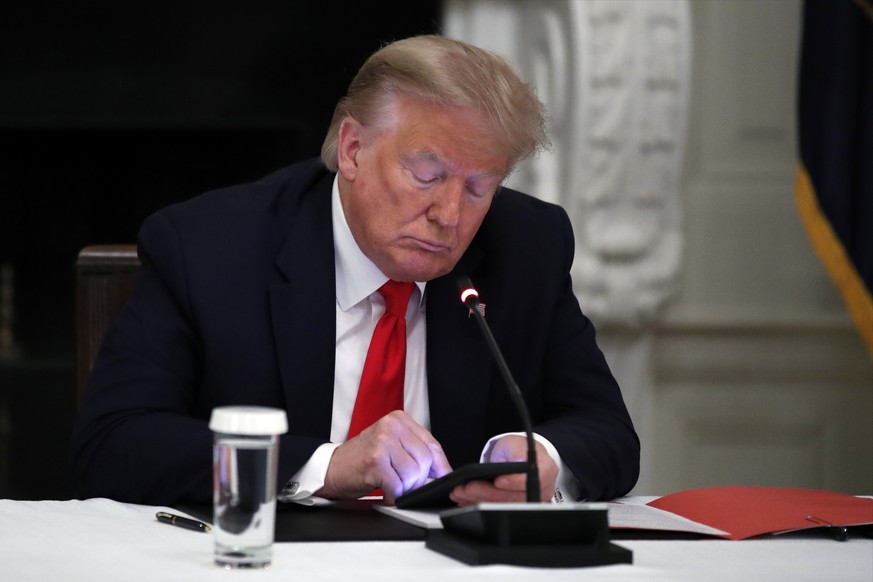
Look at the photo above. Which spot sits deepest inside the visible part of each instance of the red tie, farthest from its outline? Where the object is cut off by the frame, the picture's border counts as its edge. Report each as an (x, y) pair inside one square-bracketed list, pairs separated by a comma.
[(381, 388)]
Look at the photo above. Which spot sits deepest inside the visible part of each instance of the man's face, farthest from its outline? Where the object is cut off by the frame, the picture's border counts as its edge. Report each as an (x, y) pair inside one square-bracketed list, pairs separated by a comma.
[(415, 191)]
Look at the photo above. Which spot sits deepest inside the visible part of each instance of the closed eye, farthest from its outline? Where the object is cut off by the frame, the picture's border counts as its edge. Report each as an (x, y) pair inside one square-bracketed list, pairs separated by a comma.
[(481, 190), (424, 180)]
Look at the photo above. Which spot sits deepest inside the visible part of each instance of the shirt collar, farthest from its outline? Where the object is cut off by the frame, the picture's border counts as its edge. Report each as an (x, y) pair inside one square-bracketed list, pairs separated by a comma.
[(357, 277)]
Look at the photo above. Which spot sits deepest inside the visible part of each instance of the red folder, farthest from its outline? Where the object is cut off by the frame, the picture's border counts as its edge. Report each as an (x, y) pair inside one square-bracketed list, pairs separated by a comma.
[(745, 512)]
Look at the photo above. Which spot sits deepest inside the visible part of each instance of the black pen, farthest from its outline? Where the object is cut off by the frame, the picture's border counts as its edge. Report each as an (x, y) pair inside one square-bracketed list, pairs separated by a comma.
[(840, 532), (180, 521)]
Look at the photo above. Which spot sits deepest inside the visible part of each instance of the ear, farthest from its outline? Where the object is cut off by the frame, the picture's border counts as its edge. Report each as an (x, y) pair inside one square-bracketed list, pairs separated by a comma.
[(350, 137)]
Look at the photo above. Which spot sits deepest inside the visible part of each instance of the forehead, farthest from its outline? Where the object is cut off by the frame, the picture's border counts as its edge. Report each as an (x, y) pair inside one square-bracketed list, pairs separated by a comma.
[(458, 138)]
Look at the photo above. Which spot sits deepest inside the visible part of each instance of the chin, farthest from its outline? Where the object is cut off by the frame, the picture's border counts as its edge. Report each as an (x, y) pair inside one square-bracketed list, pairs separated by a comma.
[(417, 268), (421, 273)]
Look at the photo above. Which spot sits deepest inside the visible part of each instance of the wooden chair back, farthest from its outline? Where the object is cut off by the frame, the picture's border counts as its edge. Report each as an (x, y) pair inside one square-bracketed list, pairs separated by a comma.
[(104, 281)]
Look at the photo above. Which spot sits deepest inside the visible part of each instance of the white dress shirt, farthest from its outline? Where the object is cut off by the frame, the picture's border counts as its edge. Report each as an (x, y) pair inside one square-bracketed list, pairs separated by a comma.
[(359, 307)]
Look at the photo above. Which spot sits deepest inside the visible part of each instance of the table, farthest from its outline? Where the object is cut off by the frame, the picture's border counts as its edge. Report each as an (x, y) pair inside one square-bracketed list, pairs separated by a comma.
[(98, 539)]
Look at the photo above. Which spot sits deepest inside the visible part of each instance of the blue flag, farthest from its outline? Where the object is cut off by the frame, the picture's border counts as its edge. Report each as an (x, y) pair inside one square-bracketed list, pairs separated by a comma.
[(835, 170)]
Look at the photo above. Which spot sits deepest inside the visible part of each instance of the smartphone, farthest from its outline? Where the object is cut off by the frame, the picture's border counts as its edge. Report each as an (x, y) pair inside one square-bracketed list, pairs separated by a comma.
[(436, 493)]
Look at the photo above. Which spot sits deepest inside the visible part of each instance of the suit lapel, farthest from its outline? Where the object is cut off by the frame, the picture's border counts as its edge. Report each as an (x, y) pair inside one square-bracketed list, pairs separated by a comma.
[(458, 364), (304, 314)]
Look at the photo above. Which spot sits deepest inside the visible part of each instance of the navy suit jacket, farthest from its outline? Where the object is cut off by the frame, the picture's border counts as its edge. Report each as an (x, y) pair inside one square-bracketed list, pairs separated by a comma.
[(235, 304)]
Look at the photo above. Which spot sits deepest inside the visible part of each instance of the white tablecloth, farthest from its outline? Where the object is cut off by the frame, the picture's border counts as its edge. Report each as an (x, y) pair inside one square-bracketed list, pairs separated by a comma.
[(99, 539)]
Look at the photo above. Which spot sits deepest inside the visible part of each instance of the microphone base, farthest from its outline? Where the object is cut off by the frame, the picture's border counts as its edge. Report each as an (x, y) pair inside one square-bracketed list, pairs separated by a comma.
[(531, 534)]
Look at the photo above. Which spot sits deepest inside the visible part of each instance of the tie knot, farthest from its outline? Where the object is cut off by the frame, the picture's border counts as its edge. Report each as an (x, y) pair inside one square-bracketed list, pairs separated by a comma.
[(396, 296)]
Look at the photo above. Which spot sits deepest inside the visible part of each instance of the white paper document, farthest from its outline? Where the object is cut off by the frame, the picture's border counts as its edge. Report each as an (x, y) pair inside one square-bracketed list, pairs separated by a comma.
[(625, 513), (429, 519), (633, 513)]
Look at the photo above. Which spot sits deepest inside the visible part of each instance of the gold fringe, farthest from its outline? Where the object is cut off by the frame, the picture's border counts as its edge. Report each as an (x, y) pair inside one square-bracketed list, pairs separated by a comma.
[(866, 6), (831, 252)]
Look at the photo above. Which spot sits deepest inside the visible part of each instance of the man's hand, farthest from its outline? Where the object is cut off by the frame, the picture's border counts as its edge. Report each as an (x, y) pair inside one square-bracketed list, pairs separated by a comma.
[(506, 488), (395, 454)]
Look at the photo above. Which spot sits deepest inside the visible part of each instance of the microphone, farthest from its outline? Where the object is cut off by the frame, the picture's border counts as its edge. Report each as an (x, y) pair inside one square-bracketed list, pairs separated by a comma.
[(470, 298), (524, 534)]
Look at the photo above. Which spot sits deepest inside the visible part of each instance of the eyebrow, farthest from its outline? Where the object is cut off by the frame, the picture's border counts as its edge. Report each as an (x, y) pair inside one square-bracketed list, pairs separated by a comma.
[(424, 155), (430, 156)]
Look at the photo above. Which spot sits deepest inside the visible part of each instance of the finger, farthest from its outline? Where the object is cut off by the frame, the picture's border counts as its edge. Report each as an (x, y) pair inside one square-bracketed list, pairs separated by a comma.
[(507, 455), (513, 482), (412, 452), (440, 465), (518, 483), (421, 445), (424, 461), (483, 492), (371, 454), (390, 473), (411, 468), (391, 485), (401, 420), (434, 449)]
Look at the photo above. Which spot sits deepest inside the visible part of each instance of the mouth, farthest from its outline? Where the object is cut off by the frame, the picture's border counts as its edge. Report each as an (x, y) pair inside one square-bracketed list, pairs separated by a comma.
[(432, 246)]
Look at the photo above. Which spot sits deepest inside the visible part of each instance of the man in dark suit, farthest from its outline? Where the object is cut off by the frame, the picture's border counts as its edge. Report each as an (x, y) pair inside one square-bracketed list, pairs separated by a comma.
[(266, 294)]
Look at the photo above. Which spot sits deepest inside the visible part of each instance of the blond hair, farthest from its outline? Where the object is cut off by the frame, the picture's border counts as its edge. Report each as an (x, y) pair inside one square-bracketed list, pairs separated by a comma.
[(446, 72)]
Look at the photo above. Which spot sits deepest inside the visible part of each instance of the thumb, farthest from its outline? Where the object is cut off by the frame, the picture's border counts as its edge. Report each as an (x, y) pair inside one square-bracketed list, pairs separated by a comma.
[(508, 449)]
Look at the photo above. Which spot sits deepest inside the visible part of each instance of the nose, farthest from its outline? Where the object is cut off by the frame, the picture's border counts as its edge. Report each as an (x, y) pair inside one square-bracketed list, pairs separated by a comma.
[(445, 208)]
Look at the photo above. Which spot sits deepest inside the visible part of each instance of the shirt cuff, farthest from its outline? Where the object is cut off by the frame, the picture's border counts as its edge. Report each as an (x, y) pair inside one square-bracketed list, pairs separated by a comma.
[(566, 485), (310, 478)]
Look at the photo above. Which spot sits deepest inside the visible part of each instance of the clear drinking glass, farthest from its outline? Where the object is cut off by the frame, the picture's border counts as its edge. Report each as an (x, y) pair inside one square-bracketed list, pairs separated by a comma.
[(245, 455)]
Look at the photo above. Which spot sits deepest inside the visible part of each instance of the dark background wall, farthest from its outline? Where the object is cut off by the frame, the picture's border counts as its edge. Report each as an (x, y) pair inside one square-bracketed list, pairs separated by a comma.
[(110, 110)]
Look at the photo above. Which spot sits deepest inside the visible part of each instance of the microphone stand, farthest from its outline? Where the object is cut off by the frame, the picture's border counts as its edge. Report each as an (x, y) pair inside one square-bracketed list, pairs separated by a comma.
[(533, 477), (524, 534)]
